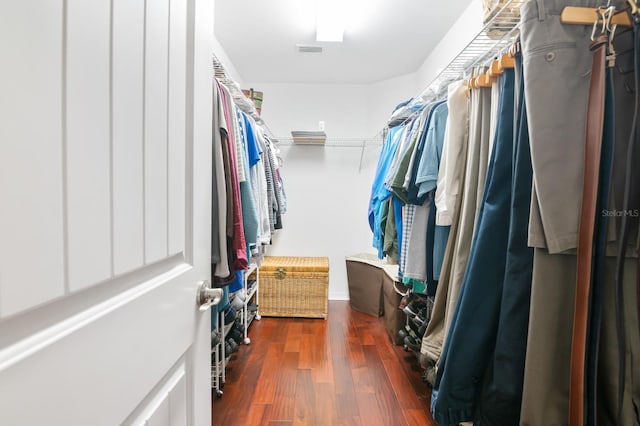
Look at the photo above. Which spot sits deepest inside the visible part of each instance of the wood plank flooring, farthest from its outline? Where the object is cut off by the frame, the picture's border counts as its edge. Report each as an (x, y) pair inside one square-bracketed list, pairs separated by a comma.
[(342, 371)]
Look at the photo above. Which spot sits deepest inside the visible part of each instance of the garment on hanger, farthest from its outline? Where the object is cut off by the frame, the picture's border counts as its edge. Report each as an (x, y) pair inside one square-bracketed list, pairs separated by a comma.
[(510, 182), (454, 153), (425, 179), (237, 247), (248, 194), (473, 326), (557, 114), (219, 195), (460, 236), (379, 192), (450, 182), (501, 395)]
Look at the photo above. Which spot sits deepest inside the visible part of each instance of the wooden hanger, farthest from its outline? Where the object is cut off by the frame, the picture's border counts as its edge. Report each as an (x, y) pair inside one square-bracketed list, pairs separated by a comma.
[(484, 80), (495, 70), (575, 15), (514, 49), (506, 61)]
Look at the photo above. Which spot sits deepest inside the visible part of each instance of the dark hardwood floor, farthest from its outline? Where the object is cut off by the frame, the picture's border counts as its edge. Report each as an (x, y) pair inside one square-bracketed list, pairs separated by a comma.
[(342, 371)]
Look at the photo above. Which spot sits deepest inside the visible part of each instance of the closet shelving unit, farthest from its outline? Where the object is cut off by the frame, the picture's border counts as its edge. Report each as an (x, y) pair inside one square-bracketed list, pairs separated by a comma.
[(247, 316), (219, 355), (220, 358)]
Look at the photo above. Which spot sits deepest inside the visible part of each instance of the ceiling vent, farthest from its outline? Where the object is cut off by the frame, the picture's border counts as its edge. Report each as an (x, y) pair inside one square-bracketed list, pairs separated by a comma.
[(306, 48)]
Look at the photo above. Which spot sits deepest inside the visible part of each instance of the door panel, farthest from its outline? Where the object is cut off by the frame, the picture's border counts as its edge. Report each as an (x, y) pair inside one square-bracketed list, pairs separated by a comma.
[(87, 161), (101, 362), (31, 115), (177, 123), (166, 405), (105, 183), (155, 138), (127, 128), (178, 403), (160, 417)]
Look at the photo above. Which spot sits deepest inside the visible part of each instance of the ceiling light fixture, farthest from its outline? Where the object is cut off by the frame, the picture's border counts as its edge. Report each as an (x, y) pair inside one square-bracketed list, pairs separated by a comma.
[(330, 20)]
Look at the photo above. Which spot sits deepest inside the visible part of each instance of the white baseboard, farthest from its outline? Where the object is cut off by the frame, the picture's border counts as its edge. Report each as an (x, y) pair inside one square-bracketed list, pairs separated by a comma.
[(339, 296)]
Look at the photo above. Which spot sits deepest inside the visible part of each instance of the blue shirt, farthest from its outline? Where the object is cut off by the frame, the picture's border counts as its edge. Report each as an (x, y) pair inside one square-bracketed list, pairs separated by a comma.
[(427, 176), (379, 192), (253, 149), (413, 189)]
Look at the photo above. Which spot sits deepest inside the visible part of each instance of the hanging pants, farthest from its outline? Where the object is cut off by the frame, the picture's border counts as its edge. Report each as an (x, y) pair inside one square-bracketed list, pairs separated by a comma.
[(472, 335), (557, 63), (501, 396), (461, 232)]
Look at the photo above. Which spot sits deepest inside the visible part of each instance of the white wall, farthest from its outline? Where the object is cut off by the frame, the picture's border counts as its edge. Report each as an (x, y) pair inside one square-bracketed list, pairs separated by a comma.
[(327, 188), (223, 57), (327, 194), (461, 33), (327, 199), (350, 111), (287, 107), (384, 95)]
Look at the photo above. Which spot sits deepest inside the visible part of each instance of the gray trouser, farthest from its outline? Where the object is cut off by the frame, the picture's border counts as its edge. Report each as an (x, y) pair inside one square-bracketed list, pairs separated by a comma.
[(545, 399), (557, 65)]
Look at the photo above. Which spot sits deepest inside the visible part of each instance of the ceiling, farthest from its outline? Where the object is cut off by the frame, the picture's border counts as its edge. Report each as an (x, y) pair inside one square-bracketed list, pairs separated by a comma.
[(384, 39)]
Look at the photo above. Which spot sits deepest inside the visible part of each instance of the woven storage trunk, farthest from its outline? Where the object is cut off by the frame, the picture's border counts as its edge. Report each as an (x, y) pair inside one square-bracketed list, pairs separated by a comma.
[(294, 287)]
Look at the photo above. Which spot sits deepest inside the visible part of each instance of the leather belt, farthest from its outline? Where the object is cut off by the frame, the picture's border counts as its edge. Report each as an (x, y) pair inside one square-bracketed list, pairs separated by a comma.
[(593, 146), (600, 247)]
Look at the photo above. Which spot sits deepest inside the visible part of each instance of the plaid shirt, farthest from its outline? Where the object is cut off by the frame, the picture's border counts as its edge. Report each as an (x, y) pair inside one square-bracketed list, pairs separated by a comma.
[(408, 213)]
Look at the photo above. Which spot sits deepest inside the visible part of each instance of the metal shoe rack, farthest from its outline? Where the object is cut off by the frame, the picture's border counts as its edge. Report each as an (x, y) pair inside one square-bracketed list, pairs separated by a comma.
[(247, 316), (219, 357)]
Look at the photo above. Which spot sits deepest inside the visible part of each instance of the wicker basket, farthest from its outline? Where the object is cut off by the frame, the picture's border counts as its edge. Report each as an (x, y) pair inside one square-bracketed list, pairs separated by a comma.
[(294, 287)]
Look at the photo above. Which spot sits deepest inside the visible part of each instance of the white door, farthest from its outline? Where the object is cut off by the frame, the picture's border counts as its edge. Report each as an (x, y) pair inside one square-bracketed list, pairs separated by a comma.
[(105, 148)]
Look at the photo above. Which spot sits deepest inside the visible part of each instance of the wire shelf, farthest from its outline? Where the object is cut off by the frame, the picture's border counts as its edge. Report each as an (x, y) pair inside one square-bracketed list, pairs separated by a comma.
[(241, 101), (496, 36)]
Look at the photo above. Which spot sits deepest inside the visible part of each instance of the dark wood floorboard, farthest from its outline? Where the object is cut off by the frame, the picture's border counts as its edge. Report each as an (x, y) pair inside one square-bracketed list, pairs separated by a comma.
[(342, 371)]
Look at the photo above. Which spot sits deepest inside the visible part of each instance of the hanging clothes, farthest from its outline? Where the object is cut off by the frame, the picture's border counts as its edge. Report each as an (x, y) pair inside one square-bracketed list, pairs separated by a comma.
[(460, 235), (474, 324), (379, 193), (454, 155), (511, 186), (501, 396), (237, 247), (427, 168), (247, 191), (557, 114), (219, 195), (448, 202)]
